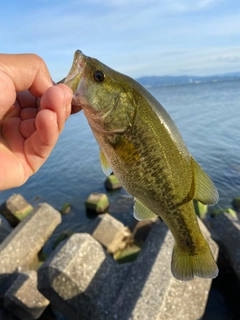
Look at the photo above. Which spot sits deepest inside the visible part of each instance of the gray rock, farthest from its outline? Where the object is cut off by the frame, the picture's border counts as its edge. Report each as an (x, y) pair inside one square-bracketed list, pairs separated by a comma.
[(80, 279), (23, 299), (227, 229), (150, 291), (15, 209), (20, 248)]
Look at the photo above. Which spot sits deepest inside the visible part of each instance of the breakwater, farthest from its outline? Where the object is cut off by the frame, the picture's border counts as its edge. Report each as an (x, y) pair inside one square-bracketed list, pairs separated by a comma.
[(82, 278)]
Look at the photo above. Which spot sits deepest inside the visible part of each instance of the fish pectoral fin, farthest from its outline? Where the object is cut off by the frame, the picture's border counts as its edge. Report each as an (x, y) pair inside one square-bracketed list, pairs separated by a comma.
[(126, 150), (105, 166), (204, 189), (141, 212)]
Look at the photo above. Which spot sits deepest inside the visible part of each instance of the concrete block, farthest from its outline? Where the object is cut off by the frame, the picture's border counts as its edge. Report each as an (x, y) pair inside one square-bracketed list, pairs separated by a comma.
[(22, 245), (80, 279), (110, 232), (15, 209), (112, 183), (97, 202), (5, 229), (147, 282), (150, 292), (227, 229), (23, 299)]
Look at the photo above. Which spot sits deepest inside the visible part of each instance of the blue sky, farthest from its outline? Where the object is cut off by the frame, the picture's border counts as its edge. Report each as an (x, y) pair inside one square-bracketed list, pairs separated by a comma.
[(136, 37)]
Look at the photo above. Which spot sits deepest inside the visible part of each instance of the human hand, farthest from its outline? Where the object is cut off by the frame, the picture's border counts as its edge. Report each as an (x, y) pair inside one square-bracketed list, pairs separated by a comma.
[(32, 115)]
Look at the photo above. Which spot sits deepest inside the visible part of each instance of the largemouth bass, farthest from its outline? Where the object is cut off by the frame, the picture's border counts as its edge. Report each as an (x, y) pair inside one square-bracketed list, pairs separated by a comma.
[(140, 143)]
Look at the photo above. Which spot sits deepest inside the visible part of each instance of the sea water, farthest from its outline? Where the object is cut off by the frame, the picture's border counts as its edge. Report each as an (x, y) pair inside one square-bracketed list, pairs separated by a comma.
[(208, 117)]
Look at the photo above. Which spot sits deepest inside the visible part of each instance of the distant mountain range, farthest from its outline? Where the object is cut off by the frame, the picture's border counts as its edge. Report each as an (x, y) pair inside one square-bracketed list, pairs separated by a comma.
[(150, 81)]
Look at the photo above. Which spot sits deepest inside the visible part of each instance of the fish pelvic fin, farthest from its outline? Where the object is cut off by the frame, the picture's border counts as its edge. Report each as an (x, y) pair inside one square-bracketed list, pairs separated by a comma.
[(105, 166), (204, 189), (141, 212), (185, 266)]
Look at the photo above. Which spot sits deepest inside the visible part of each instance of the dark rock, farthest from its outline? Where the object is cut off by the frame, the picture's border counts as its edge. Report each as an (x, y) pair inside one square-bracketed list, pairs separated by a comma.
[(228, 230)]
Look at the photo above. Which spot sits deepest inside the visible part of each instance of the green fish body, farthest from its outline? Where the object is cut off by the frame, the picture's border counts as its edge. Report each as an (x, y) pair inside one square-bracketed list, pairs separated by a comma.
[(140, 143)]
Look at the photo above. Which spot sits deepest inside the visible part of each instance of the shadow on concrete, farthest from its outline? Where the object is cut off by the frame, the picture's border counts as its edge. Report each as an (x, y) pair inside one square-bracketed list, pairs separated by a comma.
[(223, 300)]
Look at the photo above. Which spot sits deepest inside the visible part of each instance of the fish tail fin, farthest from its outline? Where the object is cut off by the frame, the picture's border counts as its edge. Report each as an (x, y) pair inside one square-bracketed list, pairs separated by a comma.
[(185, 266)]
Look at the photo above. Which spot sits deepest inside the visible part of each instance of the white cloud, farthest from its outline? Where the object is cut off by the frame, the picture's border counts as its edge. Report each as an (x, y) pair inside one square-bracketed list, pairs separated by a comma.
[(135, 37)]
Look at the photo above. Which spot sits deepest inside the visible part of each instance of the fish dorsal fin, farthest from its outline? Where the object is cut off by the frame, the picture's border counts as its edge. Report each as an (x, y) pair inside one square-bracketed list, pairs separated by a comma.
[(141, 212), (204, 189), (105, 166)]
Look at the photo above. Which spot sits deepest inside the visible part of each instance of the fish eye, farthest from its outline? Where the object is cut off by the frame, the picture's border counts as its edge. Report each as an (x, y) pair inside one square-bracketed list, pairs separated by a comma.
[(99, 76)]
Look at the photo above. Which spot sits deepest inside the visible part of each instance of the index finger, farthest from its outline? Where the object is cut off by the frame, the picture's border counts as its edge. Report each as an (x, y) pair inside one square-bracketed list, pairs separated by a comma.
[(27, 72)]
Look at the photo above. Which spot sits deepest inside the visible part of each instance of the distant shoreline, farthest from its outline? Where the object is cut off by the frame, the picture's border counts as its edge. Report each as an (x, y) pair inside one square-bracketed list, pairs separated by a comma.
[(151, 81)]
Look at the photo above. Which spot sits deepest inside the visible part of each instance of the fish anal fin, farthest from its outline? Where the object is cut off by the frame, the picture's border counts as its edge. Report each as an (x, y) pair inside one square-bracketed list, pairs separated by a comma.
[(141, 212), (203, 187), (105, 166), (185, 266)]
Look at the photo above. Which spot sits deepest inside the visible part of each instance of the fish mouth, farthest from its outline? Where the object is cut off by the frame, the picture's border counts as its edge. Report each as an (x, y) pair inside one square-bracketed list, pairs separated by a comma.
[(75, 108), (73, 79)]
